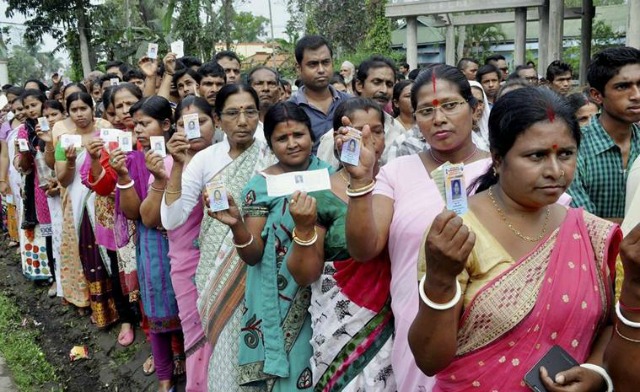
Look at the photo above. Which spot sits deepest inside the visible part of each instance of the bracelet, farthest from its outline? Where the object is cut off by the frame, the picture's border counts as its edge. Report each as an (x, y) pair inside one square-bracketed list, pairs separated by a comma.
[(241, 246), (3, 180), (603, 373), (49, 150), (168, 192), (454, 301), (302, 242), (623, 319), (126, 186), (361, 191), (153, 188), (628, 339), (628, 308)]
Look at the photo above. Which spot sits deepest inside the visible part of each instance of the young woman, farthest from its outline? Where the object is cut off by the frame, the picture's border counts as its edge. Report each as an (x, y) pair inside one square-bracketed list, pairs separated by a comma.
[(405, 199), (37, 252), (85, 265), (137, 189), (583, 107), (275, 328), (352, 326), (220, 274), (498, 292), (402, 110)]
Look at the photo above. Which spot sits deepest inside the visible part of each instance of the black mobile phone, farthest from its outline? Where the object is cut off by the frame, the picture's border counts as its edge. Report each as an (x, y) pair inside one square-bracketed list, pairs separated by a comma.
[(556, 360)]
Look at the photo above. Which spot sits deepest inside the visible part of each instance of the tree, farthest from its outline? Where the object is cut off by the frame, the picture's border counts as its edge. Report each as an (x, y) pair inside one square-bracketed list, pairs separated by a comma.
[(248, 28), (23, 65), (478, 38), (603, 37)]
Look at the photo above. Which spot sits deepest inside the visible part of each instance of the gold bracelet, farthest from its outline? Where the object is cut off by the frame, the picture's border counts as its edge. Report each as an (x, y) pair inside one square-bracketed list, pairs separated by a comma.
[(168, 192), (240, 246), (302, 242), (361, 191), (628, 339), (153, 188)]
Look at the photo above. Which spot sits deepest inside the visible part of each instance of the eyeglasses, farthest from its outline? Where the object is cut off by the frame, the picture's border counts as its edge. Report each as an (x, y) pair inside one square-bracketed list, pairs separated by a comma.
[(447, 108), (234, 114)]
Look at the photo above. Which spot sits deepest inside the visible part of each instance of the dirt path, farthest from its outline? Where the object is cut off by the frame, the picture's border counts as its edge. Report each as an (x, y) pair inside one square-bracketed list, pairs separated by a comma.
[(111, 367)]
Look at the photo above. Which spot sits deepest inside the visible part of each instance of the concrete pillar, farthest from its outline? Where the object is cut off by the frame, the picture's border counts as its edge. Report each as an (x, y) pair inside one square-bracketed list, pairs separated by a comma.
[(586, 34), (633, 27), (450, 46), (543, 39), (520, 46), (556, 31), (4, 72), (462, 36), (412, 42)]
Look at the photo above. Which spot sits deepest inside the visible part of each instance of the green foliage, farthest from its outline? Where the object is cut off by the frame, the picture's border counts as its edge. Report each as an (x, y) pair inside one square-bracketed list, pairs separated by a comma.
[(603, 36), (479, 38), (248, 28), (378, 39), (26, 361)]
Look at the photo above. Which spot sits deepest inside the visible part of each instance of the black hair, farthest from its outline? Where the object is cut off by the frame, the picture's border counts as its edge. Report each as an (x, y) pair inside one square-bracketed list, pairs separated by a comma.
[(191, 100), (185, 71), (487, 69), (444, 72), (80, 96), (578, 100), (397, 90), (212, 69), (41, 86), (494, 57), (261, 67), (413, 74), (511, 85), (35, 93), (464, 62), (531, 63), (53, 104), (285, 82), (155, 106), (516, 112), (132, 88), (6, 87), (557, 68), (311, 42), (282, 112), (405, 65), (607, 63), (232, 89), (133, 74), (373, 62), (350, 105), (119, 64), (14, 90), (108, 77), (337, 78), (79, 85), (191, 61), (95, 82), (227, 53), (106, 97)]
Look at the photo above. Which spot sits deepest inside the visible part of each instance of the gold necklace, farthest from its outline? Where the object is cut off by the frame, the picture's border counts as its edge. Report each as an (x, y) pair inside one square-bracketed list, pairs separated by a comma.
[(513, 229)]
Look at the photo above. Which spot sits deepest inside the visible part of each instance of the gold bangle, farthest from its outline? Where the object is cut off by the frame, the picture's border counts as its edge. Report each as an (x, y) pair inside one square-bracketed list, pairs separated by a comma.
[(153, 188), (302, 242), (3, 180), (168, 192), (240, 246), (361, 191), (628, 339)]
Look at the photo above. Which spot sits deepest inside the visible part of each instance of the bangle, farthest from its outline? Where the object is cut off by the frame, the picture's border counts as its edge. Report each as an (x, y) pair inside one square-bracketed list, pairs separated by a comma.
[(128, 185), (623, 319), (240, 246), (361, 191), (153, 188), (628, 308), (628, 339), (3, 180), (454, 301), (603, 373), (302, 242), (168, 192)]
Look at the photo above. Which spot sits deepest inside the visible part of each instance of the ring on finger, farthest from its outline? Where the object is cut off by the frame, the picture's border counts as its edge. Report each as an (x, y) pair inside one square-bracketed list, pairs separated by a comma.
[(293, 201)]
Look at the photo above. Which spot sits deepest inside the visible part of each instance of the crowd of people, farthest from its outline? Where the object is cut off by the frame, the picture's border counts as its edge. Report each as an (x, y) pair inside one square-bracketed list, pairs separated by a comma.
[(372, 284)]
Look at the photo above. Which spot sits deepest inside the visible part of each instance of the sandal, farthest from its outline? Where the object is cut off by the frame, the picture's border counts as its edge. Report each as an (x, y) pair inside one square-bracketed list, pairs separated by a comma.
[(179, 364), (149, 367)]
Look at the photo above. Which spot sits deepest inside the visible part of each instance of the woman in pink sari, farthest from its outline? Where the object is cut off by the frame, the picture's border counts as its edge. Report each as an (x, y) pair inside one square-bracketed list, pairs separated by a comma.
[(518, 273)]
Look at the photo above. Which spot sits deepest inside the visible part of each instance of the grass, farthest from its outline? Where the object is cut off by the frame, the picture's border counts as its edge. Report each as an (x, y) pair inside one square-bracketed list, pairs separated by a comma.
[(29, 367), (124, 355)]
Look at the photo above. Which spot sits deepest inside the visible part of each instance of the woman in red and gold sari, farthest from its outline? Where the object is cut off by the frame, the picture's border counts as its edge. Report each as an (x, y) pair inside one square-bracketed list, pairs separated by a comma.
[(518, 273)]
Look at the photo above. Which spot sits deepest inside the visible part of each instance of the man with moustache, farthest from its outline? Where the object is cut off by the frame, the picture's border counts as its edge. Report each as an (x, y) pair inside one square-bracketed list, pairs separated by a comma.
[(375, 79), (265, 81), (347, 70), (316, 96), (212, 80), (611, 141)]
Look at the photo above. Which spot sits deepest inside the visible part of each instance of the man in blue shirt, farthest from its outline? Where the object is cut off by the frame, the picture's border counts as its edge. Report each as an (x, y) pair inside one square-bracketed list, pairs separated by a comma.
[(316, 96)]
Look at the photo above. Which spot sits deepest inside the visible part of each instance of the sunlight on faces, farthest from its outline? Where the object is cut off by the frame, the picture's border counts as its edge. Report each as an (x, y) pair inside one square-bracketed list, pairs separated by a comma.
[(585, 113), (207, 128), (122, 102), (32, 107), (360, 118), (291, 143), (531, 172), (147, 126), (81, 114), (53, 116), (239, 130), (444, 132)]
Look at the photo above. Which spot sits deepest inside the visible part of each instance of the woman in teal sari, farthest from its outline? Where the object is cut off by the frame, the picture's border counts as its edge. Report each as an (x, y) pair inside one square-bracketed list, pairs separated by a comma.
[(275, 330)]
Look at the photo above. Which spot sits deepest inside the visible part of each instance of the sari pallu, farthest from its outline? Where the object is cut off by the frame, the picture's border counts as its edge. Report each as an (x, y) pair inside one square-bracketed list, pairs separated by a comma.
[(518, 316), (276, 329), (350, 312), (221, 275)]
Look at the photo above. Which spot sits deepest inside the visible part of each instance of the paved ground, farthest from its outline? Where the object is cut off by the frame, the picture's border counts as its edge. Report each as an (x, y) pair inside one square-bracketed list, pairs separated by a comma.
[(6, 383)]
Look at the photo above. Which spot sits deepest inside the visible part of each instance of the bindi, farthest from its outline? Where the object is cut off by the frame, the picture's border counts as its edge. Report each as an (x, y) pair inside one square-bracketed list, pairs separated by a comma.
[(555, 147), (435, 102)]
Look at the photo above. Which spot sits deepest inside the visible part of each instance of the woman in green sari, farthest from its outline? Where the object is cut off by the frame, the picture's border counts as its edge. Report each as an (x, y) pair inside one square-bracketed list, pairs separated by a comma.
[(275, 329)]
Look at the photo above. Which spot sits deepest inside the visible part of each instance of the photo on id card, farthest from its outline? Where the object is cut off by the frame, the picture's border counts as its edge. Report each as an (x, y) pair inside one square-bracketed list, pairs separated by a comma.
[(23, 145), (455, 190), (191, 125), (124, 142), (351, 147), (217, 196), (157, 145), (44, 124)]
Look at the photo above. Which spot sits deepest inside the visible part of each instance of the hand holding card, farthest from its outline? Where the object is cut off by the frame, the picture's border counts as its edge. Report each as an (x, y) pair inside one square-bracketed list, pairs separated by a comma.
[(158, 146), (68, 140), (351, 147), (217, 196), (44, 124), (152, 51), (177, 48), (191, 126)]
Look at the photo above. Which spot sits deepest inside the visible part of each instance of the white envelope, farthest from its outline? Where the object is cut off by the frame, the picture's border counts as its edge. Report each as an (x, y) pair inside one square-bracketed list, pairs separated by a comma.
[(307, 181)]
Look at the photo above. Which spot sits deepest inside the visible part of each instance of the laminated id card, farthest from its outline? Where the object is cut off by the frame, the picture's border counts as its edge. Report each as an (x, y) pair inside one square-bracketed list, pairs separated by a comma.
[(217, 196), (351, 147), (191, 125), (157, 145)]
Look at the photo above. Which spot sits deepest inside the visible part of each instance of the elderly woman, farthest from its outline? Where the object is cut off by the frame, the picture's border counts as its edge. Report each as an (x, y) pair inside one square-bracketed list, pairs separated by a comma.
[(503, 279)]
